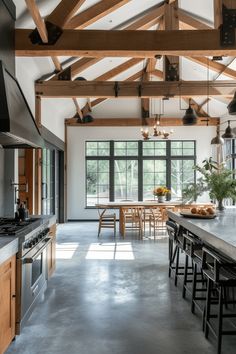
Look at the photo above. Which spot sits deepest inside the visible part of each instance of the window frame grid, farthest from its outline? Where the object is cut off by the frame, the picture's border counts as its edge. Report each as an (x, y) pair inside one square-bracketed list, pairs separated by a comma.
[(140, 158)]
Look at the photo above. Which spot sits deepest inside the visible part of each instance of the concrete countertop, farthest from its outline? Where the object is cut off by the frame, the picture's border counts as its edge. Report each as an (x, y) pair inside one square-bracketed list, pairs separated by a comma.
[(9, 245), (219, 232)]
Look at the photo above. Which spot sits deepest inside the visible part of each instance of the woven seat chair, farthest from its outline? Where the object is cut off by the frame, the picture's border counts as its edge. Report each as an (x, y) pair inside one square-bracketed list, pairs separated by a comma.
[(107, 220), (133, 219)]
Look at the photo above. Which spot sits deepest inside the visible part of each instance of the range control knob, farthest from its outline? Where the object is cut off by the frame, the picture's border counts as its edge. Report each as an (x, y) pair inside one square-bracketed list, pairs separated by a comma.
[(30, 244)]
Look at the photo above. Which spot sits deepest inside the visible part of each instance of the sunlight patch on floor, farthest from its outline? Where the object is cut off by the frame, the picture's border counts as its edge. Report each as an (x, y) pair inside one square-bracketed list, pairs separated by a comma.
[(114, 250), (66, 250)]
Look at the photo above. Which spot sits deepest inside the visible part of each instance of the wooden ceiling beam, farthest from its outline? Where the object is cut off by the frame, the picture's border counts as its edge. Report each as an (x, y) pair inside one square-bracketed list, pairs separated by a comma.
[(64, 11), (144, 23), (38, 20), (66, 89), (94, 13), (99, 43), (86, 109), (147, 20), (191, 21), (136, 122), (217, 4), (198, 108), (158, 73), (56, 63), (214, 65), (171, 22), (78, 109), (118, 69)]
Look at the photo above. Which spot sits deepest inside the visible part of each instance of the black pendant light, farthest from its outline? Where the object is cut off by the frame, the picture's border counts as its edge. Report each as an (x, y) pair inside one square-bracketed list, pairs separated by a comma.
[(228, 134), (232, 105), (190, 117)]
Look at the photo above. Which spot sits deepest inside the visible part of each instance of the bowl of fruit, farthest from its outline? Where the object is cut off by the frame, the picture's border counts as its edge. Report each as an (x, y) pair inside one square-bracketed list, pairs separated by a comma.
[(200, 213)]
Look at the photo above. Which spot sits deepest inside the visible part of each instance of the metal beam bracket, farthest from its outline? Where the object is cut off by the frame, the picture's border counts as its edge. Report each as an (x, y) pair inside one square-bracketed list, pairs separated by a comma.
[(227, 29), (116, 88), (54, 33), (140, 90), (65, 75)]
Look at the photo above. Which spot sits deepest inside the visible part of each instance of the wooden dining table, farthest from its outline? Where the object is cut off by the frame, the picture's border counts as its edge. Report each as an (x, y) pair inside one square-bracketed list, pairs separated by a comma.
[(148, 204)]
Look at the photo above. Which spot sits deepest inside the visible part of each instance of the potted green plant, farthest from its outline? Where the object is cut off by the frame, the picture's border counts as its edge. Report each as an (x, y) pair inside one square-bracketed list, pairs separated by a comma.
[(216, 179)]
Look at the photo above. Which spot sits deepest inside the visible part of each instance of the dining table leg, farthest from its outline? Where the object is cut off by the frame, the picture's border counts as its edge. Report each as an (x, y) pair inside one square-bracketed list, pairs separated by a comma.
[(121, 222)]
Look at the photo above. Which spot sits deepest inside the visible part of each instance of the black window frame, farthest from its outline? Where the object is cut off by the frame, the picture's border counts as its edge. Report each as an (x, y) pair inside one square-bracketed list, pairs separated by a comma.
[(140, 158)]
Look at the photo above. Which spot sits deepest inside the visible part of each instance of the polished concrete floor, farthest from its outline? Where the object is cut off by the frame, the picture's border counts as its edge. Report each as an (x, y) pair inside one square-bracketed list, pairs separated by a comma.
[(112, 297)]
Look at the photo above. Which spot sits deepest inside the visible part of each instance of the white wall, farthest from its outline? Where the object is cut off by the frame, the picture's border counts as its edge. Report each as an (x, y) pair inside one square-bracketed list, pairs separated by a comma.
[(54, 111), (76, 183)]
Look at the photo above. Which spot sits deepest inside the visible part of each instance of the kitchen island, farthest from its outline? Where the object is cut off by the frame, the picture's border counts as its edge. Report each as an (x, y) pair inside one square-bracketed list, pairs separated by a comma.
[(219, 233)]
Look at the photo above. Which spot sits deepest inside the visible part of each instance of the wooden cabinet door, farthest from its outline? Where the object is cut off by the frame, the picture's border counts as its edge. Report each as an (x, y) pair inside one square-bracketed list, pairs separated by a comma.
[(7, 302)]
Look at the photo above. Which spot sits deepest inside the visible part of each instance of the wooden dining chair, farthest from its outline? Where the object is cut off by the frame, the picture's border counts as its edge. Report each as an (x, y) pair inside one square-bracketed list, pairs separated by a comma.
[(107, 220), (157, 221), (133, 219)]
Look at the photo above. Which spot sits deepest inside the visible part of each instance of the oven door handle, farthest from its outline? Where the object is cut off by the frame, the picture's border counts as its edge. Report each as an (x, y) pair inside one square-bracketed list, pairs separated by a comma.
[(32, 259)]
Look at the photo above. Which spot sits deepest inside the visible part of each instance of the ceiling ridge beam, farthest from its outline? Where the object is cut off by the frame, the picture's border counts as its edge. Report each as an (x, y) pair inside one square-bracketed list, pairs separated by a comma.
[(100, 43), (134, 122), (101, 89), (94, 13)]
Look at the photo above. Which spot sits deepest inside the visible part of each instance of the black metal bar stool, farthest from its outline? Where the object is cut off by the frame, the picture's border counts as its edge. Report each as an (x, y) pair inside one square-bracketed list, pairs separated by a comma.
[(175, 246), (192, 247), (221, 276)]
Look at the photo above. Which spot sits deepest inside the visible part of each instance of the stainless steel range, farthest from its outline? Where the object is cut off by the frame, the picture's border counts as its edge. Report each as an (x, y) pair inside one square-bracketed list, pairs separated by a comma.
[(31, 263)]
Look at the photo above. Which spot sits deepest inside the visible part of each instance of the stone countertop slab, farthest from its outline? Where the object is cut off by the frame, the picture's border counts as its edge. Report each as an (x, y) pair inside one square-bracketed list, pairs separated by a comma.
[(8, 247), (220, 232)]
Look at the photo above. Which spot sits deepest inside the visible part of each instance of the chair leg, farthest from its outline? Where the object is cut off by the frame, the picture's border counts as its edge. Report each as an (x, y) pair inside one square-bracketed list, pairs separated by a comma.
[(172, 259), (219, 329), (99, 229), (177, 266), (194, 287), (208, 307), (185, 276)]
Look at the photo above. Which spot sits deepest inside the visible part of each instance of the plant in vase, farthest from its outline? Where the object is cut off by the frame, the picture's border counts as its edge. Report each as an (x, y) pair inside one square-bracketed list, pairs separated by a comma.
[(216, 179), (160, 193)]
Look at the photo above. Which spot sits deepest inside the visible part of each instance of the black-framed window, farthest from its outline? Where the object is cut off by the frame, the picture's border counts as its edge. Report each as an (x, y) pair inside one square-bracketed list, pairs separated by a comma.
[(130, 170)]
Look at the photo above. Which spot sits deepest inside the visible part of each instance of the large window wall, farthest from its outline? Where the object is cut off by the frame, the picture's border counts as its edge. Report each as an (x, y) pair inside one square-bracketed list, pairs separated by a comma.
[(130, 170)]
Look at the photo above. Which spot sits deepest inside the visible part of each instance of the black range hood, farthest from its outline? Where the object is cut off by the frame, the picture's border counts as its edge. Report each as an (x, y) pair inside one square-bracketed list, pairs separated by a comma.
[(17, 125)]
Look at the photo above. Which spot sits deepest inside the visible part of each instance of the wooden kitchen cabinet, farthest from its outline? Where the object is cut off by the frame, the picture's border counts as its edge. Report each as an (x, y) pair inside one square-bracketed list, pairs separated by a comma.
[(51, 251), (7, 302)]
